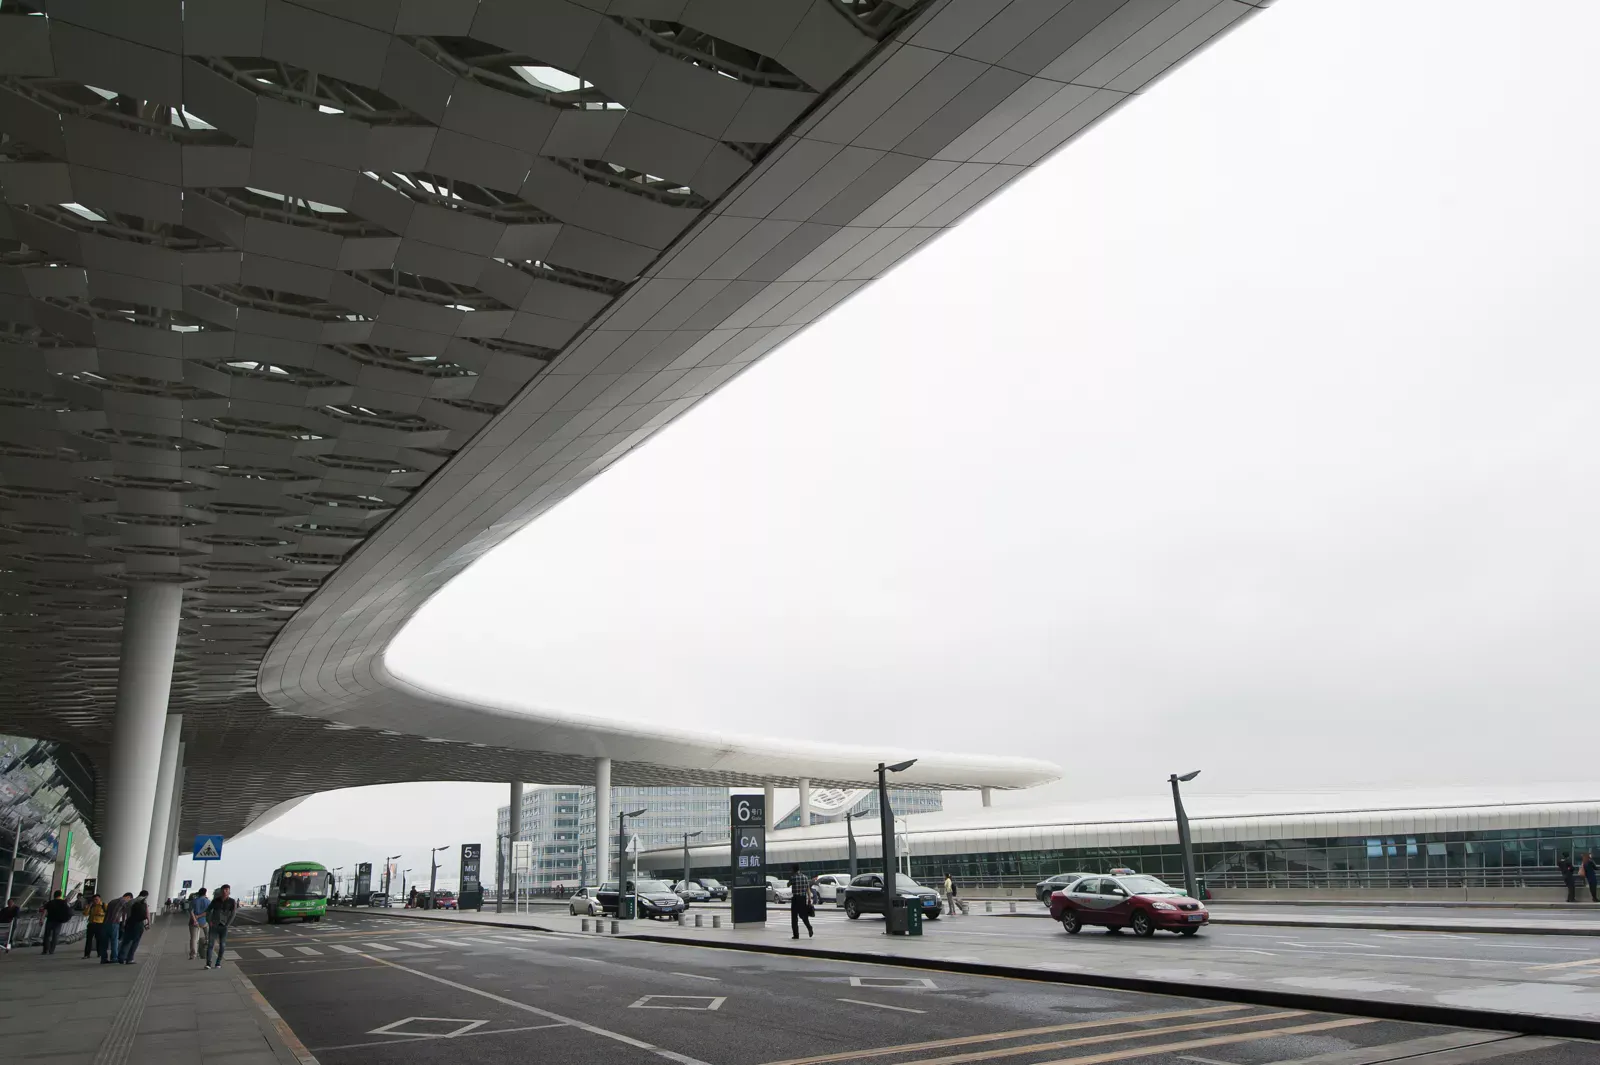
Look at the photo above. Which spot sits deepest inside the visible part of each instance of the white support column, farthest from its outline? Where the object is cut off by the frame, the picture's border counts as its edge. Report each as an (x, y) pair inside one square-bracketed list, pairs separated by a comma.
[(514, 831), (169, 867), (772, 806), (805, 802), (144, 682), (602, 821), (988, 796), (155, 855)]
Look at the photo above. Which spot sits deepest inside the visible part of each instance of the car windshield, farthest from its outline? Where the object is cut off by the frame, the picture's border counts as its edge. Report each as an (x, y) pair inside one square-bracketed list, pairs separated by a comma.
[(1147, 885), (708, 884), (657, 887), (902, 882)]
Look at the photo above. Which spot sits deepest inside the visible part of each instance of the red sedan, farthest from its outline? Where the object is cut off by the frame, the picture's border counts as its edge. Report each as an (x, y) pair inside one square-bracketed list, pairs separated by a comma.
[(1141, 903)]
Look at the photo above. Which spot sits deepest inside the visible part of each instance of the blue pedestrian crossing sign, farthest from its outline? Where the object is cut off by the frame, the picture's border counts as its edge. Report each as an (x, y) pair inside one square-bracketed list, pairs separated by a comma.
[(207, 848)]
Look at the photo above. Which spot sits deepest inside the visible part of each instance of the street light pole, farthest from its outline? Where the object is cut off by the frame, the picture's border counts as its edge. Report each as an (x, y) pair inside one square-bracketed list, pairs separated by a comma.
[(1189, 882), (387, 899), (686, 837), (433, 876), (622, 858), (336, 871), (851, 833), (403, 873), (886, 827)]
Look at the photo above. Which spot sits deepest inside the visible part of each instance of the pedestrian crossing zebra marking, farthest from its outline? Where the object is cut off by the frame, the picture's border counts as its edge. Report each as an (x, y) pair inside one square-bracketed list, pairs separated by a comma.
[(268, 952), (313, 951)]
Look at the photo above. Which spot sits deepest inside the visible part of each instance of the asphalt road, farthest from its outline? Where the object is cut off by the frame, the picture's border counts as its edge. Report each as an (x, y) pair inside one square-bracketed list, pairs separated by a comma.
[(360, 989)]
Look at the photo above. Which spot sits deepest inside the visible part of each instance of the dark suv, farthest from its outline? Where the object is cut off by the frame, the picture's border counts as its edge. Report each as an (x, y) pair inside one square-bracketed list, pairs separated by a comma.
[(656, 899), (864, 894)]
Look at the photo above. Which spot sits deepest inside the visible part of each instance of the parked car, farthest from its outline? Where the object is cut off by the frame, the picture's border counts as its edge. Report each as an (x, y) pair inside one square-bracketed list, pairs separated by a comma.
[(864, 894), (778, 890), (446, 900), (828, 885), (1060, 882), (1141, 903), (691, 891), (718, 890), (585, 902), (377, 898), (655, 898)]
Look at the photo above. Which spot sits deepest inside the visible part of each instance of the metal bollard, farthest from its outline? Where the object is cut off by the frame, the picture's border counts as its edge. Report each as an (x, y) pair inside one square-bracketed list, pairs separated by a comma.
[(988, 907), (586, 924), (1013, 905), (716, 920), (613, 928), (697, 922)]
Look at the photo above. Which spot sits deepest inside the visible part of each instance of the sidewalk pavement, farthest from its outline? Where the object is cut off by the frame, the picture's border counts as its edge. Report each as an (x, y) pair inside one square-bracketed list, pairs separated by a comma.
[(61, 1009)]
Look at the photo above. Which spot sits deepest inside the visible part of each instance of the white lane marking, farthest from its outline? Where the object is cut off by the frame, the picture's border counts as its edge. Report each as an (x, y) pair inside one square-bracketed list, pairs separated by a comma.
[(342, 949), (917, 982), (593, 1029), (1564, 964), (881, 1006), (1205, 1061), (447, 942), (378, 946), (268, 952), (313, 951), (466, 1026), (415, 1038), (663, 1002), (415, 943), (491, 942), (695, 976)]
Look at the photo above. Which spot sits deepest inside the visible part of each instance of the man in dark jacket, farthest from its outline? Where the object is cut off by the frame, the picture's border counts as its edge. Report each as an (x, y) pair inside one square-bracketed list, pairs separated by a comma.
[(8, 917), (133, 927), (1592, 874), (116, 914), (219, 918), (1567, 878), (56, 914)]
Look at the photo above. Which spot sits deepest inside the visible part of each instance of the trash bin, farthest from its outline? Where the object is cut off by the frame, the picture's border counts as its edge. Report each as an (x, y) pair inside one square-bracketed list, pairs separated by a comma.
[(625, 904), (913, 917), (898, 918), (1200, 886)]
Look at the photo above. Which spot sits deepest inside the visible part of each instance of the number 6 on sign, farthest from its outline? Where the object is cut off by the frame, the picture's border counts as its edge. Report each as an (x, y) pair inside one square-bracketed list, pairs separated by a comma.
[(744, 811)]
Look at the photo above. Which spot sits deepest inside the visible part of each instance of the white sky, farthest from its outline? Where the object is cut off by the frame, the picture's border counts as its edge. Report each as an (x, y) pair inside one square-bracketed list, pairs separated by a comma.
[(1254, 431)]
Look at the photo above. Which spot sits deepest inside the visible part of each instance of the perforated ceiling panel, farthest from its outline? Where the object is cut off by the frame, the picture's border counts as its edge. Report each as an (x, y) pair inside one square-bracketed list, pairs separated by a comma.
[(306, 305)]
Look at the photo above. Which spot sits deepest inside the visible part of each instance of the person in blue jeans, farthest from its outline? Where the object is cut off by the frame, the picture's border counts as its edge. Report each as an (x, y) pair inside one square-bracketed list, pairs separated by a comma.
[(197, 904), (133, 927), (116, 913), (219, 918)]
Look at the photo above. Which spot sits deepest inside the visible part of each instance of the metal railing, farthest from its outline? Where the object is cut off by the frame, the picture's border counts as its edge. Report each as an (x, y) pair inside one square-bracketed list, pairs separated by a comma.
[(28, 931), (1322, 880)]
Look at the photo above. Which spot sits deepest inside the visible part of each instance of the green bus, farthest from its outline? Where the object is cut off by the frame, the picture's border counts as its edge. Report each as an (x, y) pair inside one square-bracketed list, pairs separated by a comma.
[(298, 889)]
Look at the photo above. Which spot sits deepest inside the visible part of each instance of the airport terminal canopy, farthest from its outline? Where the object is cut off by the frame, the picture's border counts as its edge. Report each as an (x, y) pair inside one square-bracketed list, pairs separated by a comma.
[(306, 304)]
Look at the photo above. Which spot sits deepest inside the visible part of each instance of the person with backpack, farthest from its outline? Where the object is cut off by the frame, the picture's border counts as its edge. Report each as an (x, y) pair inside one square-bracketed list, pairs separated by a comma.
[(219, 918), (133, 927), (116, 914), (57, 912), (197, 906)]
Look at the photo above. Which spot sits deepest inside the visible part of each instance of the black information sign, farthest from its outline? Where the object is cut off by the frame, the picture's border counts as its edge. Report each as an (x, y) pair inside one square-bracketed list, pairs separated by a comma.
[(471, 897), (363, 884), (89, 887), (747, 819)]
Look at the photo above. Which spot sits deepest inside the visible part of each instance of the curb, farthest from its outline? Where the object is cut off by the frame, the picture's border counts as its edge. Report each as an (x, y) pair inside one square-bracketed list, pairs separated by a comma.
[(1445, 1016), (1387, 926)]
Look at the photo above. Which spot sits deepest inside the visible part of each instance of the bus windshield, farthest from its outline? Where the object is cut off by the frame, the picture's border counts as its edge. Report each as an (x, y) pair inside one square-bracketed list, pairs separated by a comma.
[(303, 884)]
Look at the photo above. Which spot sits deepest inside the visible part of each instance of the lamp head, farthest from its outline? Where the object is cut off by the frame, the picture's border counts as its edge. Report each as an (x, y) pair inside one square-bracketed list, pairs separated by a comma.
[(635, 813), (901, 767), (1189, 776)]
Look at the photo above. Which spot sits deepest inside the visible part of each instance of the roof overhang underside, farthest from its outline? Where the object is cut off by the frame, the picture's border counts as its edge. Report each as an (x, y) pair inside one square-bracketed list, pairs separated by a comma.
[(308, 306)]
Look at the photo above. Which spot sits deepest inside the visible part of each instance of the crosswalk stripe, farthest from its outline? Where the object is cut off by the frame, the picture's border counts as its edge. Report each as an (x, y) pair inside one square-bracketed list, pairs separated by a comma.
[(1109, 1037), (447, 942), (1211, 1041), (268, 952), (414, 943), (313, 951), (378, 946), (343, 949)]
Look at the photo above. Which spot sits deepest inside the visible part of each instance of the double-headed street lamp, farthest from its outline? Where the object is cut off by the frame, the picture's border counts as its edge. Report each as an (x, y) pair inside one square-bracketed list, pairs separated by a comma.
[(433, 876), (403, 873), (886, 827), (850, 832), (687, 836), (336, 870), (387, 901), (1183, 832), (622, 858)]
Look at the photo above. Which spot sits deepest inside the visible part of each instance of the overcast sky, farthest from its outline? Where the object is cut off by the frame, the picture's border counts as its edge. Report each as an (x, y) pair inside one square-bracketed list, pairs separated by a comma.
[(1254, 431)]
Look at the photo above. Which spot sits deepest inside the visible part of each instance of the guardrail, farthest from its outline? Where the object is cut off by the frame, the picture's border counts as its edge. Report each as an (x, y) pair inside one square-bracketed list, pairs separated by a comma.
[(28, 931)]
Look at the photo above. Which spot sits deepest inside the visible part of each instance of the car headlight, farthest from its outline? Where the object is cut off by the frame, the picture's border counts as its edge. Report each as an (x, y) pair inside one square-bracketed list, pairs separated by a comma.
[(1162, 906)]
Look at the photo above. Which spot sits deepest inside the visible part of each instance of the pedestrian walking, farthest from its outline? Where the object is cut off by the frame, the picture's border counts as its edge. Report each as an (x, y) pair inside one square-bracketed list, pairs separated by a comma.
[(952, 900), (1591, 873), (1568, 878), (800, 907), (116, 914), (133, 927), (94, 929), (219, 918), (56, 914), (198, 904), (8, 917)]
